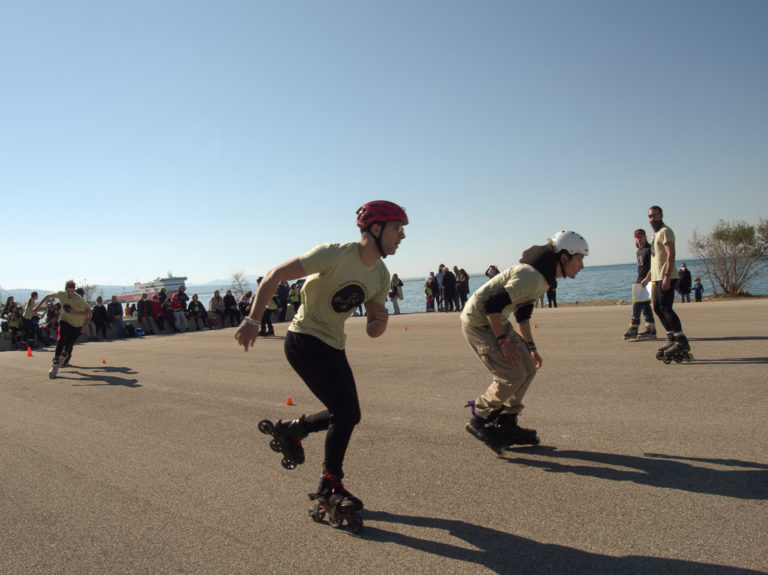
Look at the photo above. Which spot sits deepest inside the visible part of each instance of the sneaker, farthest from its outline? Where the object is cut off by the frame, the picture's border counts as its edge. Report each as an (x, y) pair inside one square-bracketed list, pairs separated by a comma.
[(54, 371)]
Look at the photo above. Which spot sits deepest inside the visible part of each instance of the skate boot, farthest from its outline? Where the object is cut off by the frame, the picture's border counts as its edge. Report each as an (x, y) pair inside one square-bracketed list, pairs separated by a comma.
[(680, 351), (514, 434), (486, 430), (54, 371), (649, 332), (333, 501), (666, 346), (631, 333), (286, 439)]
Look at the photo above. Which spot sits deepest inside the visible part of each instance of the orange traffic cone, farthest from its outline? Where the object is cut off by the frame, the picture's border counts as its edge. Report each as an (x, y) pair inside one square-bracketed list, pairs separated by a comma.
[(29, 351), (103, 361), (289, 401), (405, 327)]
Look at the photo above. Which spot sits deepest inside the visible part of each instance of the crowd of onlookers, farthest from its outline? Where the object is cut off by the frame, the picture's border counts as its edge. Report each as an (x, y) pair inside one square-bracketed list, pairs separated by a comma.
[(446, 290), (174, 312)]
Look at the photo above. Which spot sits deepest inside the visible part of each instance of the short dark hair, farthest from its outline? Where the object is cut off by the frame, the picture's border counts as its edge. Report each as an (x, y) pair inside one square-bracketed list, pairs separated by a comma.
[(656, 208), (69, 284)]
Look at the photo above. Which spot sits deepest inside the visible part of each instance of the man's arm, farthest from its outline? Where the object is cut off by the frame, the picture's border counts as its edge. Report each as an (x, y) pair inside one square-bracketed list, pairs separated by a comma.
[(669, 267), (247, 333), (377, 317)]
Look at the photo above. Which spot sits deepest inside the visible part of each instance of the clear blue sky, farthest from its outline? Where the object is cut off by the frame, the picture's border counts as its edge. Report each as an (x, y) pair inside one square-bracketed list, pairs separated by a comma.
[(139, 137)]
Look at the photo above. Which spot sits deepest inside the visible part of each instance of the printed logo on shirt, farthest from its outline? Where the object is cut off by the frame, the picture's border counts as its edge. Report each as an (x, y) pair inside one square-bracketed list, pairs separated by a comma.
[(348, 298)]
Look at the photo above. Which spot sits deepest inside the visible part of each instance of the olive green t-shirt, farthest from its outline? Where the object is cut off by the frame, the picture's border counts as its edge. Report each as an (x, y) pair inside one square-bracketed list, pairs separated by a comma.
[(75, 303), (523, 283), (338, 282), (659, 254)]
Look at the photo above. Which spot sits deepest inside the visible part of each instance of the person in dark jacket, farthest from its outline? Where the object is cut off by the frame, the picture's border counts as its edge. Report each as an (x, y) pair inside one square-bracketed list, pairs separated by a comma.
[(684, 284), (230, 308), (100, 317)]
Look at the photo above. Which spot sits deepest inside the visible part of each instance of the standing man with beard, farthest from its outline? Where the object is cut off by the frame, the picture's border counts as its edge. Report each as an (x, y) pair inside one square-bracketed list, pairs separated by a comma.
[(663, 272)]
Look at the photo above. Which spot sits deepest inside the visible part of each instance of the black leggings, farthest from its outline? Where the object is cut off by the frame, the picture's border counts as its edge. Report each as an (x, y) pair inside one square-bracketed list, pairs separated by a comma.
[(68, 335), (327, 374), (662, 305)]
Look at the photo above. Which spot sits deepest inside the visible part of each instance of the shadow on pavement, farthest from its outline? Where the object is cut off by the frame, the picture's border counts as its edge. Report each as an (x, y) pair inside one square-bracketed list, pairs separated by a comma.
[(656, 470), (506, 553), (100, 375)]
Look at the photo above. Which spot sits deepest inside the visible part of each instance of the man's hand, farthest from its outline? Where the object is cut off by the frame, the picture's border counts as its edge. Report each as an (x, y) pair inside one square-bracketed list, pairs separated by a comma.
[(247, 334), (509, 351)]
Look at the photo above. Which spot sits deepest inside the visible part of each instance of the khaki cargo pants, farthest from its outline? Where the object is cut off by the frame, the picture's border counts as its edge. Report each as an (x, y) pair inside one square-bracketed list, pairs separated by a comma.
[(510, 382)]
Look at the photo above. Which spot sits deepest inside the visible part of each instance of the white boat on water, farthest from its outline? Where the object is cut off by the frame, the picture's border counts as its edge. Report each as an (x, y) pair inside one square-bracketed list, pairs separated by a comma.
[(170, 283)]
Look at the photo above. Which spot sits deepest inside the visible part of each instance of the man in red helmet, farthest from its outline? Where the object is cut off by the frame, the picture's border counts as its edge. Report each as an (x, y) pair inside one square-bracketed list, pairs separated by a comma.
[(340, 276)]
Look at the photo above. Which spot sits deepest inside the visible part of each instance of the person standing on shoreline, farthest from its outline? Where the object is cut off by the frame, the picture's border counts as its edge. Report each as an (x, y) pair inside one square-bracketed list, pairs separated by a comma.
[(641, 306), (662, 274), (341, 276), (511, 356)]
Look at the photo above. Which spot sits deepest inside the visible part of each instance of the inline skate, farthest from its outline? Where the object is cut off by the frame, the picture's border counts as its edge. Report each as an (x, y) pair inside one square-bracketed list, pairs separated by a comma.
[(631, 333), (666, 346), (649, 331), (679, 351), (54, 371), (286, 439), (334, 503), (513, 434), (486, 430)]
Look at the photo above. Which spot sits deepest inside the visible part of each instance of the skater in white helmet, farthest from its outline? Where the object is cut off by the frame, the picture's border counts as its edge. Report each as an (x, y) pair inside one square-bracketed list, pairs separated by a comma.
[(511, 355)]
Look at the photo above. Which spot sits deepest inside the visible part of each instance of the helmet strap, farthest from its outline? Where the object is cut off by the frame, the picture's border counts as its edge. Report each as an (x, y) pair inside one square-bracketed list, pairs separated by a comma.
[(376, 238)]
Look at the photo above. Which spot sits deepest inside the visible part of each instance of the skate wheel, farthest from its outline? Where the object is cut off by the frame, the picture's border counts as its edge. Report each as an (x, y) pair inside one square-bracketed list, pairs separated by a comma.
[(289, 463), (679, 358), (315, 516), (354, 523), (667, 360), (336, 523), (660, 355), (266, 427), (275, 445)]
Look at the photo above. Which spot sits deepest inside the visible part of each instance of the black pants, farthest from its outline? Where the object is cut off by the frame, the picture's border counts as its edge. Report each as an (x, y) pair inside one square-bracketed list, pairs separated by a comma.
[(662, 306), (68, 335), (327, 374)]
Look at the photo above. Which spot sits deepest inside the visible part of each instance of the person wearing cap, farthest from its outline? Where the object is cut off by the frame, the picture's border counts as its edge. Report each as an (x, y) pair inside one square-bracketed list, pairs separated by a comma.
[(340, 277), (641, 307), (511, 355)]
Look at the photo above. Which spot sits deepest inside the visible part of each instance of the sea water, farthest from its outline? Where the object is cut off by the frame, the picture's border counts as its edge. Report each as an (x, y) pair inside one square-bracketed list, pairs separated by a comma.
[(612, 282)]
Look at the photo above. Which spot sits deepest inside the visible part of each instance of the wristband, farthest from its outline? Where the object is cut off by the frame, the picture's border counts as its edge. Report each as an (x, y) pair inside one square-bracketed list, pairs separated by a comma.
[(531, 346), (667, 275), (251, 321)]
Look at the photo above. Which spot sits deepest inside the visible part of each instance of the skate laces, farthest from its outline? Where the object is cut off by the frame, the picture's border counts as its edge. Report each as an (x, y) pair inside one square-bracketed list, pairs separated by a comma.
[(471, 403)]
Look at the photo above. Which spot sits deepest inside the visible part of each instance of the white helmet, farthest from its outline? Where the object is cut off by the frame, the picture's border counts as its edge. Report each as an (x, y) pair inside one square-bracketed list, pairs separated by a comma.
[(571, 242)]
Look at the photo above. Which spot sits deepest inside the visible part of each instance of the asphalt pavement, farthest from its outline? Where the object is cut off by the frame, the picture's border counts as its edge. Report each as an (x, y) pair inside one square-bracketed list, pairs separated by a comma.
[(144, 457)]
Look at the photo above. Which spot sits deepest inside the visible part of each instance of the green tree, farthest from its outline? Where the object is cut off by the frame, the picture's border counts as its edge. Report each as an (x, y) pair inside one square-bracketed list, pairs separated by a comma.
[(733, 253)]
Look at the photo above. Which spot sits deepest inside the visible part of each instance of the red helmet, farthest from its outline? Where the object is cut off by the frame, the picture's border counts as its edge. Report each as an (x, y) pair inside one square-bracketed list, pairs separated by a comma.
[(380, 212)]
